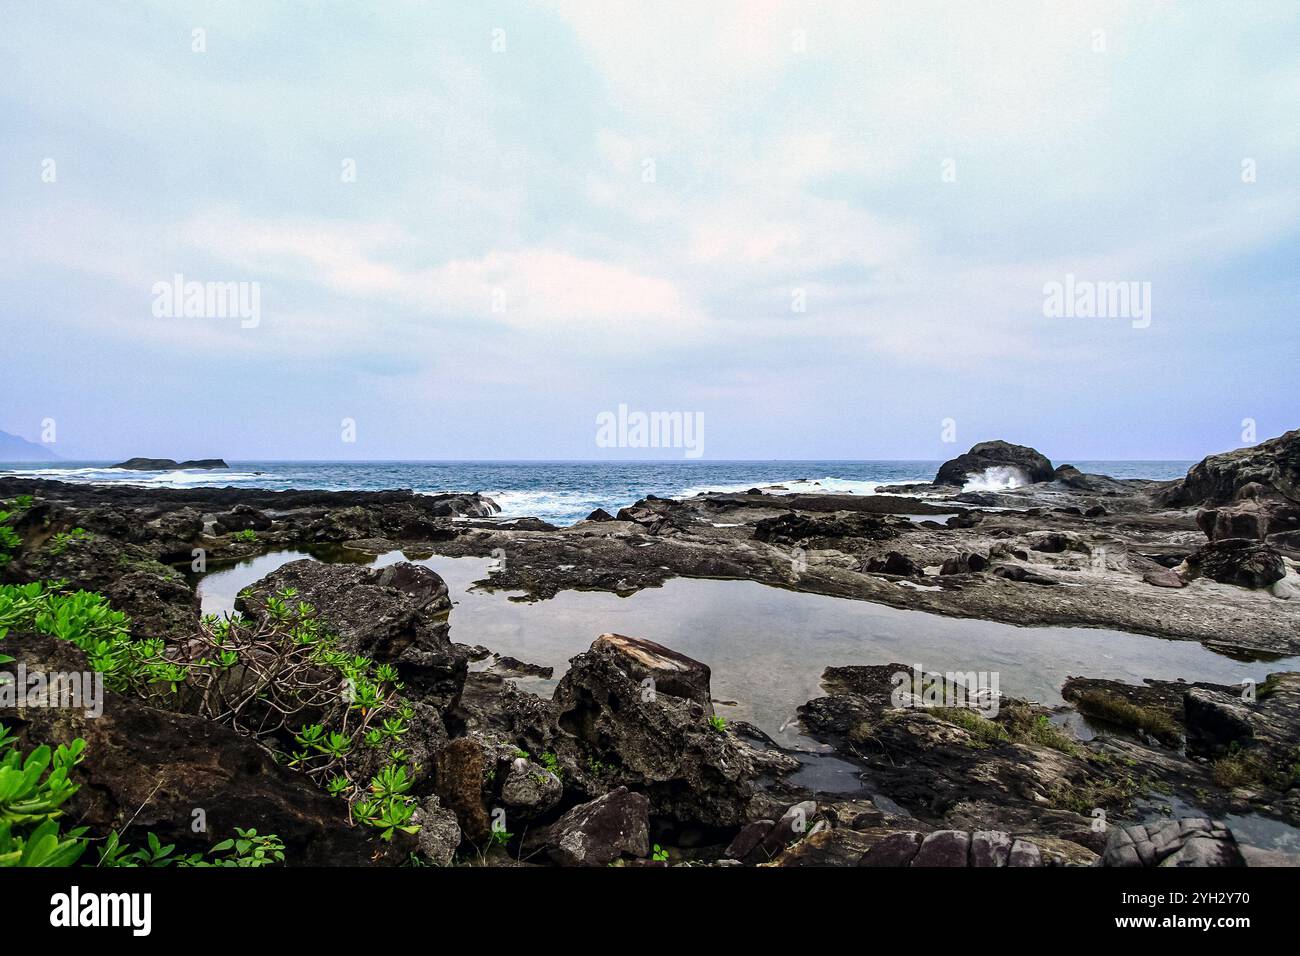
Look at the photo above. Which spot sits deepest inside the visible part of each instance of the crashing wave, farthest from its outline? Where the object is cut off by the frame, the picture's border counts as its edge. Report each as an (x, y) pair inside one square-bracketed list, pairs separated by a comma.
[(996, 478)]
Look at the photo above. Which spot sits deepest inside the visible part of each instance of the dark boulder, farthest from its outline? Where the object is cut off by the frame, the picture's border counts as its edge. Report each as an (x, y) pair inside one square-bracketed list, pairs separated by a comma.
[(393, 615), (1022, 575), (1077, 480), (642, 712), (995, 454), (602, 831), (600, 514), (895, 563), (241, 518), (1215, 480), (964, 564), (1215, 721), (1238, 561)]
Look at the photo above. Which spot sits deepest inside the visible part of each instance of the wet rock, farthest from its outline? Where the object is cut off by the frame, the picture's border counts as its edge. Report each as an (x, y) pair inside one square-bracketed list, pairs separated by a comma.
[(995, 454), (599, 832), (794, 824), (157, 599), (151, 768), (183, 524), (600, 514), (1237, 561)]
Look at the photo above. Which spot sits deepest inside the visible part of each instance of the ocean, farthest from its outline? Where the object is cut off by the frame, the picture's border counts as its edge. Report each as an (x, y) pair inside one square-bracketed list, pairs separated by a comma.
[(561, 492)]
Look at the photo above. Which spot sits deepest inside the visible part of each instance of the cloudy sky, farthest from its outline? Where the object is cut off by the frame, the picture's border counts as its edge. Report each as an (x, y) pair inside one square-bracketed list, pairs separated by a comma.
[(826, 226)]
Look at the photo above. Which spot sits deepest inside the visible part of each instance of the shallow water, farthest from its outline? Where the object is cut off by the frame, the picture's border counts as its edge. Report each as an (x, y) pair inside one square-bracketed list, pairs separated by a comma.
[(767, 647)]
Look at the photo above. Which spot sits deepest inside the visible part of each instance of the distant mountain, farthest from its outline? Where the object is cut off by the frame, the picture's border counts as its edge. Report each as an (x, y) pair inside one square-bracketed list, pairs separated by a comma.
[(13, 448)]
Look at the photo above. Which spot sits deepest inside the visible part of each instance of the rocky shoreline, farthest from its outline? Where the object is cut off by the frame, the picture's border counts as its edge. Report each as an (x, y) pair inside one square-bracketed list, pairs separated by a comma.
[(628, 763)]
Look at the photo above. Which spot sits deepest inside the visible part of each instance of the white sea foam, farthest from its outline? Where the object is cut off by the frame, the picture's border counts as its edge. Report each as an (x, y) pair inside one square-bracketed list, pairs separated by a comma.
[(176, 478), (996, 478), (822, 486)]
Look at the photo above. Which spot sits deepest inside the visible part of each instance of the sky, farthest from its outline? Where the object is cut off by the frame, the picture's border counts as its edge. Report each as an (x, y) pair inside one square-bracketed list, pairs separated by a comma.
[(826, 228)]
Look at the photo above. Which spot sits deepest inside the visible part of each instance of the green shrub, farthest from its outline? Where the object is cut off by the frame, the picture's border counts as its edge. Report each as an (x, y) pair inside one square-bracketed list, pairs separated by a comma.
[(9, 540), (59, 543), (32, 789), (246, 849), (88, 621)]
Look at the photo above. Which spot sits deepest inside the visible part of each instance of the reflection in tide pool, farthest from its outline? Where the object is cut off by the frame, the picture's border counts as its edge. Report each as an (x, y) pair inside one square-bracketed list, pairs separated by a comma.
[(767, 647)]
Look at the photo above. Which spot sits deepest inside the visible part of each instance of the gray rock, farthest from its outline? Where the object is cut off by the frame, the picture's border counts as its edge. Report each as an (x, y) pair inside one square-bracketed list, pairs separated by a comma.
[(944, 848), (643, 711), (748, 840), (1192, 841), (439, 834), (529, 790), (990, 848), (897, 849), (599, 832), (1024, 853)]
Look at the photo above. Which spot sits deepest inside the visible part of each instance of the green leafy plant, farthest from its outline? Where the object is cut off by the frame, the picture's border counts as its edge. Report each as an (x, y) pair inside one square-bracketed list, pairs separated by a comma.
[(9, 540), (552, 763), (248, 534), (718, 723), (59, 543), (86, 620), (659, 854), (32, 789), (246, 849)]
